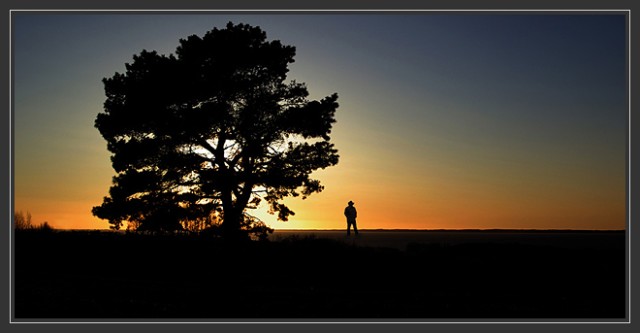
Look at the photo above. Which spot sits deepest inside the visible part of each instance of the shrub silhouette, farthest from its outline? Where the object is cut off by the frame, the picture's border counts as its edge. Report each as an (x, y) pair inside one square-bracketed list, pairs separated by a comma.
[(22, 221)]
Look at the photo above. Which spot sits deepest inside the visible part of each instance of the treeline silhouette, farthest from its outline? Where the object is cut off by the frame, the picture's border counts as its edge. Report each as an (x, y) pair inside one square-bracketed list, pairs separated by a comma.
[(117, 275), (22, 221)]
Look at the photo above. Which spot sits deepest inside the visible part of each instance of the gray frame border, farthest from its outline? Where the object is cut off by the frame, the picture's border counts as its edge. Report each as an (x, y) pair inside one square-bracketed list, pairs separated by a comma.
[(375, 6)]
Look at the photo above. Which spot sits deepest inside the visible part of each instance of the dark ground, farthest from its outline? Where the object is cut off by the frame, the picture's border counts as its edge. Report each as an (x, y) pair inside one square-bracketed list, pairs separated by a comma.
[(84, 275)]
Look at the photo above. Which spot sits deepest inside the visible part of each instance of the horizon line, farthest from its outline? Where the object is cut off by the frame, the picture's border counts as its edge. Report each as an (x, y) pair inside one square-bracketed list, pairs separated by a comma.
[(454, 229), (391, 229)]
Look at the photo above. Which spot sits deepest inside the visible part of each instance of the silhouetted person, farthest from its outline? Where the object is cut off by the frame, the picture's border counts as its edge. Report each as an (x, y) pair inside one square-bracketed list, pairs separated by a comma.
[(351, 214)]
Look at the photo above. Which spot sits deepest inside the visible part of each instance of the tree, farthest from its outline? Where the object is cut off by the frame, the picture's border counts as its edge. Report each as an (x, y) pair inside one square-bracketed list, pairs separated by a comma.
[(210, 132)]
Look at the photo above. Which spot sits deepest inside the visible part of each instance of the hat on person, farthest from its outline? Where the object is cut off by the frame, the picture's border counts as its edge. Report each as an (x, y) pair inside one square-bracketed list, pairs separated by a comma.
[(350, 203)]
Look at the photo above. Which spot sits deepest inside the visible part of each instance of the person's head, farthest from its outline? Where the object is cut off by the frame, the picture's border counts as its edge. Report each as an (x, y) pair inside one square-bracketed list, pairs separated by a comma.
[(350, 203)]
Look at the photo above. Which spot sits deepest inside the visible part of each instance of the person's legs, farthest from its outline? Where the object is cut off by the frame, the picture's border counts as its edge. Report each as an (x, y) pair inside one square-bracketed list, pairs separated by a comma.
[(355, 228), (348, 228)]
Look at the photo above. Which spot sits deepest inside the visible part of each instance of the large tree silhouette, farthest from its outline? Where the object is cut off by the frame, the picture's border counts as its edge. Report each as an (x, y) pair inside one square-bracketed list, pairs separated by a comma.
[(210, 132)]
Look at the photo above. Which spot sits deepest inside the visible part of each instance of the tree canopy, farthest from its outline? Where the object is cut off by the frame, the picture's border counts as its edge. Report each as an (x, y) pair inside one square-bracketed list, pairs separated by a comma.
[(215, 129)]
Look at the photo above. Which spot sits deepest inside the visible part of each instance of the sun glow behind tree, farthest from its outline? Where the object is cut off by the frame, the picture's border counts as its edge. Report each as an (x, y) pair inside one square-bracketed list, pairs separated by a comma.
[(211, 133)]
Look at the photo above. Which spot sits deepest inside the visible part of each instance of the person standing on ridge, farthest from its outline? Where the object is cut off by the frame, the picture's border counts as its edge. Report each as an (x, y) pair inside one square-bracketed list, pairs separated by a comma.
[(351, 214)]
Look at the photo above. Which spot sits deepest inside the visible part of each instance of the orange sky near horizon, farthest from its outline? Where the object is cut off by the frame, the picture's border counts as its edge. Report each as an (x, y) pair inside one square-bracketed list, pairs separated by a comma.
[(398, 207), (474, 127), (391, 196)]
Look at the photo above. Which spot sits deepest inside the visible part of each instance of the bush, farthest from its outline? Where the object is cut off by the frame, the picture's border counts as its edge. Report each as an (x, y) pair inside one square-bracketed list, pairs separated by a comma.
[(22, 221), (45, 227)]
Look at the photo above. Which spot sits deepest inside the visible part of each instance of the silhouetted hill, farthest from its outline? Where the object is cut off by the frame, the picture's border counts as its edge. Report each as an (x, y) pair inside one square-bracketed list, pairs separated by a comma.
[(114, 275)]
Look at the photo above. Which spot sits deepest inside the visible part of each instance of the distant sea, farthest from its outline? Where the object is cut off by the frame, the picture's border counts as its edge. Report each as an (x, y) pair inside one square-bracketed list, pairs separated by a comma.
[(399, 239)]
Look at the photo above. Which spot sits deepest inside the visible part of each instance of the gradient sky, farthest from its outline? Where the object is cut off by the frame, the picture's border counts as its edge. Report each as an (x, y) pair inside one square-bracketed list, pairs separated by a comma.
[(445, 121)]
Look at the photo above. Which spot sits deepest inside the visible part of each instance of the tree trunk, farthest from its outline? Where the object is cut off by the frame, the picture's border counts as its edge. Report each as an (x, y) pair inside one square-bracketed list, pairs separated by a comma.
[(233, 217), (231, 224)]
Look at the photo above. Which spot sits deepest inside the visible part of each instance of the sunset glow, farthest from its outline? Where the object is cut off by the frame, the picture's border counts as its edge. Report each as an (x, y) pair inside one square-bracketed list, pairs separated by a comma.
[(445, 121)]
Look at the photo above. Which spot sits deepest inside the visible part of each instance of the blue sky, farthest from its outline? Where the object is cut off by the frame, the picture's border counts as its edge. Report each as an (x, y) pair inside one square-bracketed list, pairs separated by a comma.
[(485, 111)]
